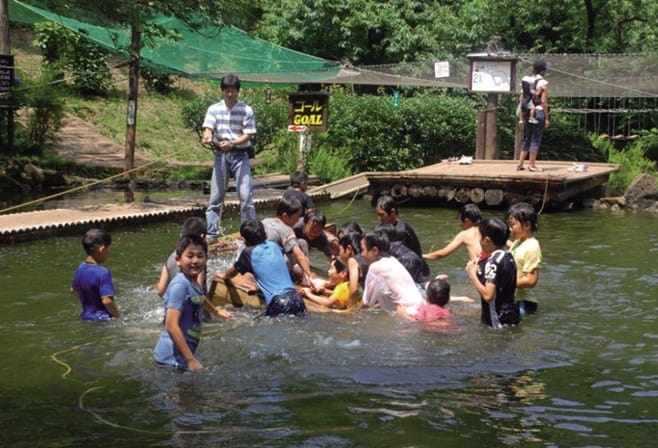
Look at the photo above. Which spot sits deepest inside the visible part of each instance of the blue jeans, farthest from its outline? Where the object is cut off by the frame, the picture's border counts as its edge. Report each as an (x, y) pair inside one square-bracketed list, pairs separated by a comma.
[(227, 163), (532, 133)]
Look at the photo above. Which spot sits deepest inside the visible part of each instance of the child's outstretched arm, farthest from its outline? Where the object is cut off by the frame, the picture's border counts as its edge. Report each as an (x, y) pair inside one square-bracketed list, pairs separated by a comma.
[(216, 310), (451, 247), (355, 271), (303, 261), (322, 300)]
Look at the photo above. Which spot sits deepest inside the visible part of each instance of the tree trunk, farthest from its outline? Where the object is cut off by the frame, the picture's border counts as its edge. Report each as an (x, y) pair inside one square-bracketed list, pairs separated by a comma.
[(131, 122)]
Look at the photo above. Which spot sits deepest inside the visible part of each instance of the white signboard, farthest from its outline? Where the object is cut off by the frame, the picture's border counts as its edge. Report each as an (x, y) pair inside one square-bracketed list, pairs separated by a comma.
[(441, 69), (491, 76)]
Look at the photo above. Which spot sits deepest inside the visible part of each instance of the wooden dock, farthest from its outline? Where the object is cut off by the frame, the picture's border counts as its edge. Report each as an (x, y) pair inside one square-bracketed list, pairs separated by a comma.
[(490, 183), (16, 227)]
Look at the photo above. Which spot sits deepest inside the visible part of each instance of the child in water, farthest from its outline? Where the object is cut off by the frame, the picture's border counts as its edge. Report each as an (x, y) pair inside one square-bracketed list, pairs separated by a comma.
[(92, 282), (184, 300), (522, 220), (434, 312), (495, 277), (339, 297), (265, 260)]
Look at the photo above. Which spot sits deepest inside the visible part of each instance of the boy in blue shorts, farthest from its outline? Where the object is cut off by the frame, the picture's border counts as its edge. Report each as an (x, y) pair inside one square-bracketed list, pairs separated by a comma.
[(265, 260), (92, 283)]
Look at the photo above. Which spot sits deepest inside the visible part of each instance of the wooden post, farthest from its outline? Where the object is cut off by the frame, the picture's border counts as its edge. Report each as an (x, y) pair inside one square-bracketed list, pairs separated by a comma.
[(481, 136), (518, 138), (131, 121), (8, 106), (491, 151)]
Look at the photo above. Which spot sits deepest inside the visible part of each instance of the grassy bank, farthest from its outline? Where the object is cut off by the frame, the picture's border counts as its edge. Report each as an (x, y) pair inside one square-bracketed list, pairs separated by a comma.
[(160, 132)]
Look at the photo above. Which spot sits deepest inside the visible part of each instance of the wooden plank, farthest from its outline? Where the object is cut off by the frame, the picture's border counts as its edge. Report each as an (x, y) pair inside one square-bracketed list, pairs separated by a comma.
[(238, 292), (343, 187)]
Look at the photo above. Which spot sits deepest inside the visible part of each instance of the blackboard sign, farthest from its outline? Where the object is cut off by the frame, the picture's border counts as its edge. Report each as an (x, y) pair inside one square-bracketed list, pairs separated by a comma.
[(308, 109), (6, 72)]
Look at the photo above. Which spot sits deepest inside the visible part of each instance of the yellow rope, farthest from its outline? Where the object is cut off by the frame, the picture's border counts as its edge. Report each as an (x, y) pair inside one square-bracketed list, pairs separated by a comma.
[(98, 417), (349, 204), (83, 187)]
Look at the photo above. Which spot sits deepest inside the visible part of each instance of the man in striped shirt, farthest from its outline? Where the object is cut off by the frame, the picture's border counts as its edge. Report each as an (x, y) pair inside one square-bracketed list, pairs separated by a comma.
[(229, 126)]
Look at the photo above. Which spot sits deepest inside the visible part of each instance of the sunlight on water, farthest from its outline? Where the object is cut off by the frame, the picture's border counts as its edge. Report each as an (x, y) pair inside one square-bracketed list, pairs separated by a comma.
[(580, 373)]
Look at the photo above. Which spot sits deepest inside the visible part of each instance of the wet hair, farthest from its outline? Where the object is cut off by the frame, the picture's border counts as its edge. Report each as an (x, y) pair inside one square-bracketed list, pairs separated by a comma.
[(496, 229), (194, 225), (388, 230), (95, 238), (190, 240), (315, 216), (339, 266), (349, 227), (438, 292), (297, 178), (470, 212), (523, 213), (253, 232), (386, 203), (376, 239), (353, 240), (229, 81), (289, 206)]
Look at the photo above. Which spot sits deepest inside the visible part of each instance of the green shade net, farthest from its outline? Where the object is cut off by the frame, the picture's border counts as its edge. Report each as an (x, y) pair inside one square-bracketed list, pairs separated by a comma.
[(214, 52), (207, 53)]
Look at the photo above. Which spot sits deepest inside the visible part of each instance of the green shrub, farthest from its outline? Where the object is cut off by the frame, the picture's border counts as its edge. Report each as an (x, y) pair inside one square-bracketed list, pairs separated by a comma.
[(329, 166), (437, 126), (66, 50), (42, 101), (631, 160), (157, 81)]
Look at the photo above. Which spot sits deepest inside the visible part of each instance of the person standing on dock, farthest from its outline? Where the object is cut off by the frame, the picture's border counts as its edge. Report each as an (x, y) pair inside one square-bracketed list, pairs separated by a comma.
[(533, 131), (228, 127)]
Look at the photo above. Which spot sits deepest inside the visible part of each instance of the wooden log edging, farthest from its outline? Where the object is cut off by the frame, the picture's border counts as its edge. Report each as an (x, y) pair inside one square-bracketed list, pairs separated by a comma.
[(493, 197)]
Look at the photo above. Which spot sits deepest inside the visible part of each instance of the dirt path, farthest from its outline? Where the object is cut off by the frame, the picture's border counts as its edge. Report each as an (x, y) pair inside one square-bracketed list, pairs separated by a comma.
[(82, 142)]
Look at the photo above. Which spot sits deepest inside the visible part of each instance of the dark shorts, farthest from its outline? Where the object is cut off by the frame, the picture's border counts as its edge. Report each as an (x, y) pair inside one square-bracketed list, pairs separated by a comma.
[(527, 307), (510, 314), (287, 303)]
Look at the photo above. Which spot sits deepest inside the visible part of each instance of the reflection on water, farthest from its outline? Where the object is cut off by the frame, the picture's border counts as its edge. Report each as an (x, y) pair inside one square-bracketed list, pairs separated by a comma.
[(580, 373)]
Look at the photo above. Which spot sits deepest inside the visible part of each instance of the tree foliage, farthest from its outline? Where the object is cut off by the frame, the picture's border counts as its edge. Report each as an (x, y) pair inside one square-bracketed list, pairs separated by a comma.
[(381, 32)]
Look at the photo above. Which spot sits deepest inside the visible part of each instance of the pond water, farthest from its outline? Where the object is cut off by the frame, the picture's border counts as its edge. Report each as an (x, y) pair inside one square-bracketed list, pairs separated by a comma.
[(582, 372)]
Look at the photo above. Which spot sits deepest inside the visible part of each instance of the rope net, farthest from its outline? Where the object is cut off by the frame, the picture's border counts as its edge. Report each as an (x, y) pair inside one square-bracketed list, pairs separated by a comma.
[(214, 52)]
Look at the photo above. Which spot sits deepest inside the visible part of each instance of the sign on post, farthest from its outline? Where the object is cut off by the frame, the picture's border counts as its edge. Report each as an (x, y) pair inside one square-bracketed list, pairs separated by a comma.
[(6, 72), (308, 109), (491, 74)]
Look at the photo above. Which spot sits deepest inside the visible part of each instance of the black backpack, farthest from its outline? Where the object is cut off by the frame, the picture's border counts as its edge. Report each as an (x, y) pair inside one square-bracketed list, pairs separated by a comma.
[(529, 94)]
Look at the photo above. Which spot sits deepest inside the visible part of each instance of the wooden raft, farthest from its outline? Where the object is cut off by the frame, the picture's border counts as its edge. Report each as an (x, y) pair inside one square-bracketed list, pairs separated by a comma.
[(238, 292)]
